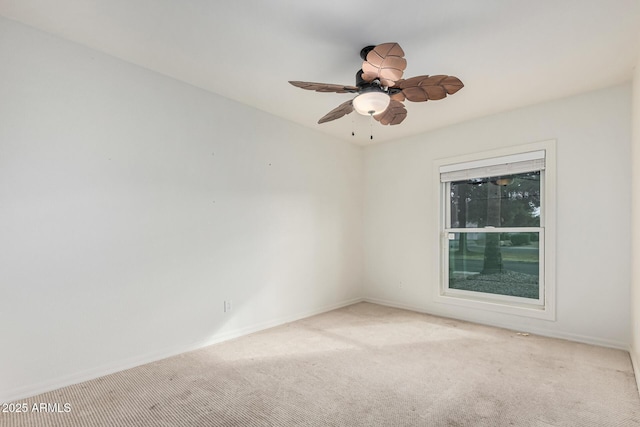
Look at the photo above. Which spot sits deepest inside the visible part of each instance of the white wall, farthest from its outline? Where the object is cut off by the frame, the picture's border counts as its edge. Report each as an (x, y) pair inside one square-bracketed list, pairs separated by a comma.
[(593, 213), (635, 227), (132, 206)]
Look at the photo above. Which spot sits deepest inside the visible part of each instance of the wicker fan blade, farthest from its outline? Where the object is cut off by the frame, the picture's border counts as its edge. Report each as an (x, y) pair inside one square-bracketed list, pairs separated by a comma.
[(393, 115), (385, 62), (340, 111), (325, 87), (425, 88)]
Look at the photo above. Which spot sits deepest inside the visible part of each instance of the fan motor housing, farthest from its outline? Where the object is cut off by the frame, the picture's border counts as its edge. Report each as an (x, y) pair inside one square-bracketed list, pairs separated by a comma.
[(364, 85)]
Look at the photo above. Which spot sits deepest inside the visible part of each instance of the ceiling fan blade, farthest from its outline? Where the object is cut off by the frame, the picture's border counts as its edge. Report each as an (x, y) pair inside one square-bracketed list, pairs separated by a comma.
[(426, 88), (340, 111), (393, 115), (452, 84), (384, 62), (399, 96), (324, 87)]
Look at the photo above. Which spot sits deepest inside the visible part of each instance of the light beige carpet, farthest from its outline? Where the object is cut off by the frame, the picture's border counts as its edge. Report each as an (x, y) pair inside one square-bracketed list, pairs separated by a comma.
[(363, 365)]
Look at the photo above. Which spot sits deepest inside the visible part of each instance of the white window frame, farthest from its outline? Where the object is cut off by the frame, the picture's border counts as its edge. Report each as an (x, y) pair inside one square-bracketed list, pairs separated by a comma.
[(544, 306)]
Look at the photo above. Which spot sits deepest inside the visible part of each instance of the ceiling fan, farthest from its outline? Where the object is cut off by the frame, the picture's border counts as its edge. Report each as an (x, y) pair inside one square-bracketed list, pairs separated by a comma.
[(380, 88)]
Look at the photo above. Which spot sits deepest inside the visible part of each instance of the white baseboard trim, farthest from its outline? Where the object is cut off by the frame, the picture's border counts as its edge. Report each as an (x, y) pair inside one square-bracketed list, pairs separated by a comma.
[(121, 365), (538, 331), (635, 362), (269, 324)]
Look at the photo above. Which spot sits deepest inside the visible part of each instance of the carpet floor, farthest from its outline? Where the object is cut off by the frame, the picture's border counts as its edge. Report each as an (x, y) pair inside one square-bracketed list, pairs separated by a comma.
[(362, 365)]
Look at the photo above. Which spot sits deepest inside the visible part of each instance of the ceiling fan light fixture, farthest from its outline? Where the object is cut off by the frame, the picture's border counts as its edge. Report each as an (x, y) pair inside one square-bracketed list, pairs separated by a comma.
[(380, 89), (371, 103)]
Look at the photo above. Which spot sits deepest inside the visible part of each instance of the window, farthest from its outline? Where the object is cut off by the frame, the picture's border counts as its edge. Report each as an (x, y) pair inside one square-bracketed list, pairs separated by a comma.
[(495, 231)]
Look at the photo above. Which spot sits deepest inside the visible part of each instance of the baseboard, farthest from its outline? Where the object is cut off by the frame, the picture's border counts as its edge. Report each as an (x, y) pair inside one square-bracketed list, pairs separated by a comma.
[(538, 331), (122, 365), (635, 362), (269, 324)]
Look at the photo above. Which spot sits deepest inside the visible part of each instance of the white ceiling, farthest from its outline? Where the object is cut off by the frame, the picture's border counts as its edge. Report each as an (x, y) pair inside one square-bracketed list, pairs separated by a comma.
[(509, 53)]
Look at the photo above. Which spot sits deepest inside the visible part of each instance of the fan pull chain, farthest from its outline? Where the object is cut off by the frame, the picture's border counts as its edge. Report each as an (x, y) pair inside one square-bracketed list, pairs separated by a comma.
[(371, 126)]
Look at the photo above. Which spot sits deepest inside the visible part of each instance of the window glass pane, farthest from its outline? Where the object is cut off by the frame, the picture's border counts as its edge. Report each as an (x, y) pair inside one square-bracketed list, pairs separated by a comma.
[(505, 201), (495, 263)]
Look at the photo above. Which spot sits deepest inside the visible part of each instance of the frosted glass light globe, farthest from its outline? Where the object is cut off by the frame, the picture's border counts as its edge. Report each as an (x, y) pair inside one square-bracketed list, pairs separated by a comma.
[(371, 103)]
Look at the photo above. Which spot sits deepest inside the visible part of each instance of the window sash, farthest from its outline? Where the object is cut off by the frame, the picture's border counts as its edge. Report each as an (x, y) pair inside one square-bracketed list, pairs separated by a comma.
[(490, 297), (446, 200)]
